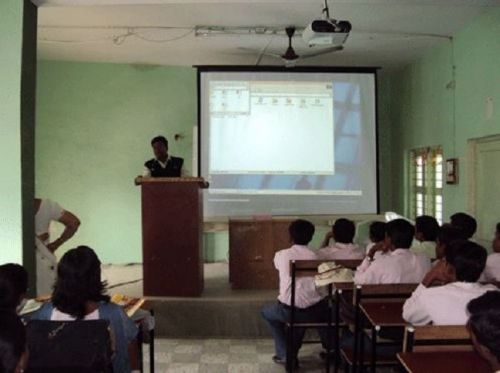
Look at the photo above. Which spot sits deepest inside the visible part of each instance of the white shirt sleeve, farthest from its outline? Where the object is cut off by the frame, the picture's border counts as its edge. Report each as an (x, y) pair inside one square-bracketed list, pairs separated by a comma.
[(322, 253), (55, 211), (415, 310), (363, 273), (146, 172)]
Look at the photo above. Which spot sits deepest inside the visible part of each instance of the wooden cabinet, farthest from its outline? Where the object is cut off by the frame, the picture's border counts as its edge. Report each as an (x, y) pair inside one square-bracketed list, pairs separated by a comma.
[(252, 245)]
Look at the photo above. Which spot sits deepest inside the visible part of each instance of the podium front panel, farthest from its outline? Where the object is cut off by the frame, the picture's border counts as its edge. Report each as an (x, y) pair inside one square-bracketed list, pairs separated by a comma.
[(172, 221)]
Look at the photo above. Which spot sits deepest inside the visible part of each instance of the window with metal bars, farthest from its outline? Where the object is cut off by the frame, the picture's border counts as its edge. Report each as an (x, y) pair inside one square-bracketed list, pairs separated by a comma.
[(426, 181)]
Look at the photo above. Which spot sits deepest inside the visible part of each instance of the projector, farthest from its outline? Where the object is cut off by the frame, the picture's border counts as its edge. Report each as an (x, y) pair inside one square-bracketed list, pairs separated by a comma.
[(326, 32)]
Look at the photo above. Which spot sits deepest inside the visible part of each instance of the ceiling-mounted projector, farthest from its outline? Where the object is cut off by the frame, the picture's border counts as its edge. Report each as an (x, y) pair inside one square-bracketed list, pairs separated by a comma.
[(324, 32)]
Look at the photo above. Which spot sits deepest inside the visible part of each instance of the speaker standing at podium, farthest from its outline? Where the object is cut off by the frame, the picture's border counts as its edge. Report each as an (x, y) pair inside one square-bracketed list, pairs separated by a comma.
[(163, 165)]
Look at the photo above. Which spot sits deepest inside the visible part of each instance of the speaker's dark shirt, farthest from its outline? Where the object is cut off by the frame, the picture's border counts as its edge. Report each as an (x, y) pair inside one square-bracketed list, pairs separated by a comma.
[(172, 169)]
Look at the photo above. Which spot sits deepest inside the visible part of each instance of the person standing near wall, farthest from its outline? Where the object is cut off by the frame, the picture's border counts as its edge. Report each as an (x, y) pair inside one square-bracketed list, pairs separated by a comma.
[(46, 262)]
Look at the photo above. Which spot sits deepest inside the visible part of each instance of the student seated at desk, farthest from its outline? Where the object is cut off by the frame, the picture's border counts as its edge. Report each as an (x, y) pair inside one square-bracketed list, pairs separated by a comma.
[(398, 264), (446, 304), (426, 232), (79, 294), (13, 286), (12, 343), (466, 223), (447, 234), (484, 327), (309, 303), (343, 231), (377, 234), (492, 269)]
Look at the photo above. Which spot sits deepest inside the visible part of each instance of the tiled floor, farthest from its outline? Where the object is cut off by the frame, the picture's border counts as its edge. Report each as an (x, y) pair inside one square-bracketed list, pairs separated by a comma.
[(226, 356)]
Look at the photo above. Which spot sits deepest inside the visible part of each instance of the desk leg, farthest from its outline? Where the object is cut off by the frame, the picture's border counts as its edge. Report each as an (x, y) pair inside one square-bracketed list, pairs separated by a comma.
[(337, 331), (361, 363), (152, 347), (329, 329), (141, 357), (375, 330)]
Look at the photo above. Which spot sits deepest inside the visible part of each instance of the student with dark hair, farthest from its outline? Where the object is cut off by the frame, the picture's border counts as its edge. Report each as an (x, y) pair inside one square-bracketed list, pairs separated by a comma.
[(399, 264), (79, 294), (492, 269), (466, 223), (484, 327), (446, 304), (163, 164), (12, 343), (377, 232), (426, 232), (447, 234), (13, 286), (309, 303), (343, 231)]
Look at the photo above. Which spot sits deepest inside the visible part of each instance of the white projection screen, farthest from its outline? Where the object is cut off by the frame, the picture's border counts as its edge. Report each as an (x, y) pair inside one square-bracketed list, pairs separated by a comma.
[(288, 142)]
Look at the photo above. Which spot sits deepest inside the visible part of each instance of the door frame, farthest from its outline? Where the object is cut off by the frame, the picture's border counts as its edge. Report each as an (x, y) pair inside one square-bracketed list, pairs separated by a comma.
[(471, 167)]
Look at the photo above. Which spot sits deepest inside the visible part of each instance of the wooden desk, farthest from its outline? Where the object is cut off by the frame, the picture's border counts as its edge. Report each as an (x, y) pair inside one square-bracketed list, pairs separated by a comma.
[(310, 267), (387, 314), (445, 361)]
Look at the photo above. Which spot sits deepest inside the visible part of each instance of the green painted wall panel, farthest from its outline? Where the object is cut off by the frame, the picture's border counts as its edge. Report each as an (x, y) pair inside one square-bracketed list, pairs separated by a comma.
[(424, 112), (94, 125), (11, 26)]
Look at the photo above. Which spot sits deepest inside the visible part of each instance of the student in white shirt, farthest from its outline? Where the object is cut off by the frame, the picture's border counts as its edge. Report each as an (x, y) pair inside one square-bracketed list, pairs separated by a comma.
[(377, 234), (343, 231), (446, 304), (426, 232), (399, 264), (492, 269), (484, 327), (466, 223), (48, 211), (309, 303)]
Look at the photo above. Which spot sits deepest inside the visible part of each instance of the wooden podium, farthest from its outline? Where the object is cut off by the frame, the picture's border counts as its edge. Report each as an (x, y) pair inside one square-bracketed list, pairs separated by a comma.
[(172, 225)]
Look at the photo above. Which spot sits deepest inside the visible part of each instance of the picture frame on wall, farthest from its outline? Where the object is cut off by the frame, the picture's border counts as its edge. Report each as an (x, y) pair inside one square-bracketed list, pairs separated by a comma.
[(452, 171)]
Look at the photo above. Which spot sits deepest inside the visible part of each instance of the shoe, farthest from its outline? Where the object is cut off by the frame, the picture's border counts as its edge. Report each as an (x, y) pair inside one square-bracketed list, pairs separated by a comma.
[(279, 360), (282, 361)]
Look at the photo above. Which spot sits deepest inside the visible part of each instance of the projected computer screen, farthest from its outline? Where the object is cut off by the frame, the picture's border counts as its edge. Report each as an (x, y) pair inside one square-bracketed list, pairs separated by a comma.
[(288, 143)]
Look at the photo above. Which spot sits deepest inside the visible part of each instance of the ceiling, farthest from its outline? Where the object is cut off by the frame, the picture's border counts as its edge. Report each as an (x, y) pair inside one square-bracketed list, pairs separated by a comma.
[(386, 33)]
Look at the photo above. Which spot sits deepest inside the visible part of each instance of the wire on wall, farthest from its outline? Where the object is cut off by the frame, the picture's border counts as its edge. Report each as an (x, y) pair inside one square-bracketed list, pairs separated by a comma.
[(119, 38)]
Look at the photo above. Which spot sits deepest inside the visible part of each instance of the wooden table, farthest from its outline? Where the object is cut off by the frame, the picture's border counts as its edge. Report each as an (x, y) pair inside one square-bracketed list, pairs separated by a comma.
[(310, 267), (444, 361), (384, 313), (387, 314)]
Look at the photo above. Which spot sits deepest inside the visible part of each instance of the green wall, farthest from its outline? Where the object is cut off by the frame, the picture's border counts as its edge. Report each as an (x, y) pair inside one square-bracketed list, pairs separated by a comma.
[(11, 28), (94, 124), (422, 111)]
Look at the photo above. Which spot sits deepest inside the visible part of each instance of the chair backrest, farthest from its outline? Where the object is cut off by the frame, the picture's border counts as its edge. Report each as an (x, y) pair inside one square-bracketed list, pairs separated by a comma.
[(436, 335), (69, 346)]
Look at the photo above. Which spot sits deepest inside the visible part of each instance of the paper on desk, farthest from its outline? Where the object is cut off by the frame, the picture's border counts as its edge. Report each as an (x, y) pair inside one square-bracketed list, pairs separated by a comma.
[(30, 306)]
